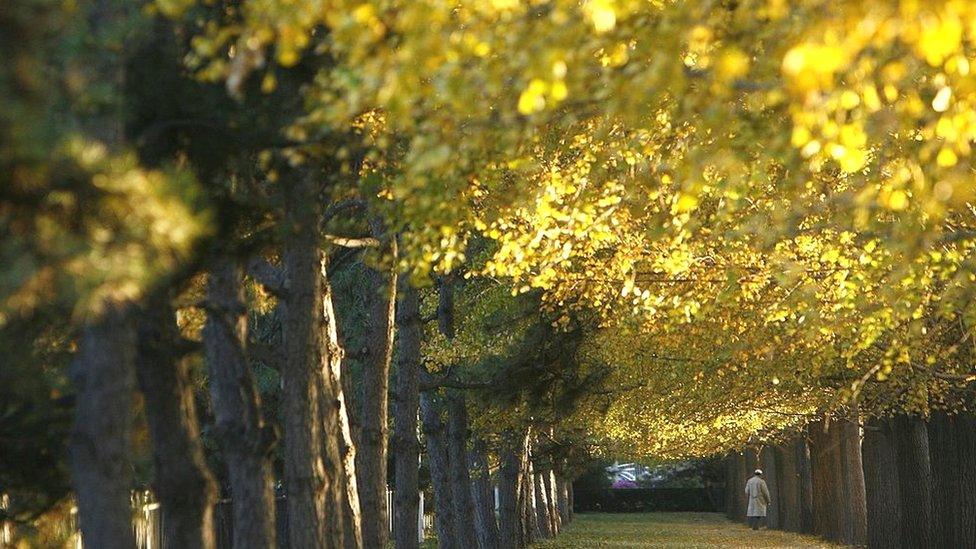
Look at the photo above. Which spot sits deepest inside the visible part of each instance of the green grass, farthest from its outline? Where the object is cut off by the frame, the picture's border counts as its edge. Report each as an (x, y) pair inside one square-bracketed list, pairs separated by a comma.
[(673, 530)]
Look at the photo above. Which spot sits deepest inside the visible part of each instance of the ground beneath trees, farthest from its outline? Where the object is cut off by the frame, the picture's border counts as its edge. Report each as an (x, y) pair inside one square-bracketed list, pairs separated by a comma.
[(675, 530)]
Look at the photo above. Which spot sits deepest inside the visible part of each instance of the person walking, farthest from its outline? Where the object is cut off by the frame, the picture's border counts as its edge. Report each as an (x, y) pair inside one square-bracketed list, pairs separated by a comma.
[(758, 494)]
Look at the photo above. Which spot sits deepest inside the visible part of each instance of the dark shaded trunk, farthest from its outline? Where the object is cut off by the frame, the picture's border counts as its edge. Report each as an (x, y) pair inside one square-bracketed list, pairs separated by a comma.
[(730, 485), (336, 427), (484, 501), (439, 464), (824, 464), (742, 474), (771, 473), (246, 441), (509, 480), (881, 486), (182, 482), (801, 452), (562, 499), (964, 430), (374, 431), (312, 462), (788, 479), (914, 481), (541, 504), (853, 505), (460, 476), (100, 444), (405, 444), (942, 454)]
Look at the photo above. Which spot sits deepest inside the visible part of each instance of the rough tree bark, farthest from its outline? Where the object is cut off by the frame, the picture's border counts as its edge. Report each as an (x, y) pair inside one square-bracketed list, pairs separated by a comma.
[(801, 452), (99, 446), (541, 504), (824, 479), (552, 497), (182, 481), (771, 472), (245, 440), (484, 502), (942, 453), (438, 462), (335, 421), (852, 481), (914, 480), (405, 444), (374, 432), (508, 495), (742, 473), (881, 486), (965, 519), (312, 464), (562, 499), (460, 476), (788, 479)]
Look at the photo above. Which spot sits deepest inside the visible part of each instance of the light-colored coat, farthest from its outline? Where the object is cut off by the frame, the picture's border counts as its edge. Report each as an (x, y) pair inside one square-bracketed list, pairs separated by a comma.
[(758, 495)]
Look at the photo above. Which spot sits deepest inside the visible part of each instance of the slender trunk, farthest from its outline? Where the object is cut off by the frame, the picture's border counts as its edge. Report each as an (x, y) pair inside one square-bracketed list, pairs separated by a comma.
[(964, 427), (372, 449), (731, 485), (438, 462), (549, 482), (914, 481), (562, 495), (742, 474), (457, 447), (801, 452), (182, 481), (484, 501), (509, 479), (572, 501), (771, 472), (245, 440), (335, 421), (541, 505), (99, 447), (405, 444), (789, 488), (942, 452), (311, 475), (881, 486), (852, 481)]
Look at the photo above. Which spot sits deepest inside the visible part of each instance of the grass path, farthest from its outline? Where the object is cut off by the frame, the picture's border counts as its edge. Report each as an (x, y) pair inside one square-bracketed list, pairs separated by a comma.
[(671, 530)]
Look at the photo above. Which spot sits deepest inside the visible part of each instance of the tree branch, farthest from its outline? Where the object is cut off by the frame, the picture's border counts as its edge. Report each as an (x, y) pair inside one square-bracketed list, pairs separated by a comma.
[(268, 275)]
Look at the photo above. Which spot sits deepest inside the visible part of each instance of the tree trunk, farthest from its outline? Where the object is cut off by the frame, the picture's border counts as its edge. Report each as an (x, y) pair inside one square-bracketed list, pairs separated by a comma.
[(801, 452), (965, 518), (881, 486), (246, 441), (182, 481), (742, 474), (460, 476), (484, 501), (852, 481), (405, 444), (549, 482), (335, 421), (914, 481), (99, 447), (529, 528), (439, 464), (541, 504), (788, 479), (942, 452), (562, 499), (824, 481), (372, 449), (731, 483), (312, 475), (508, 497), (771, 474)]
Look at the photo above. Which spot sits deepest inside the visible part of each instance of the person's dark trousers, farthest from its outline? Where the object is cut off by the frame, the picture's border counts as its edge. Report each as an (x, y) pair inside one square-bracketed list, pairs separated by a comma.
[(754, 522)]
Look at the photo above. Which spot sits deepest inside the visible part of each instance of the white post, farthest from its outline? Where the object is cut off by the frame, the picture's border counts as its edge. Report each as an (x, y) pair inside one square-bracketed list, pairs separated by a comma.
[(420, 519)]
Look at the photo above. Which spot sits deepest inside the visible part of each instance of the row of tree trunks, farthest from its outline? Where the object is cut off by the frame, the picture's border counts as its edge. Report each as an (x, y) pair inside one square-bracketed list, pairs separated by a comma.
[(182, 482), (406, 447)]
